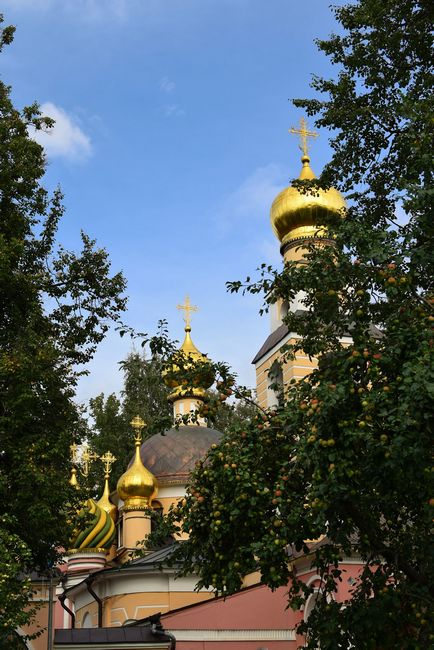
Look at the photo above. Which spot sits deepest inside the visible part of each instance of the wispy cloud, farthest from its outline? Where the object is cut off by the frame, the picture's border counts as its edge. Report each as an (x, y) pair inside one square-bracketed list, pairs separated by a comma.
[(173, 110), (84, 9), (252, 199), (166, 85), (66, 139)]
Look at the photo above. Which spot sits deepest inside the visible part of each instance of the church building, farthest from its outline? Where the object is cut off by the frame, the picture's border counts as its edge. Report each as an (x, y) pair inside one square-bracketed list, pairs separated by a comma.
[(107, 597)]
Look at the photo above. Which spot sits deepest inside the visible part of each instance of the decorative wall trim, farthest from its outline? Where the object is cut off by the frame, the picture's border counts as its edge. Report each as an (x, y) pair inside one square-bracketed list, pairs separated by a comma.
[(233, 635), (112, 646)]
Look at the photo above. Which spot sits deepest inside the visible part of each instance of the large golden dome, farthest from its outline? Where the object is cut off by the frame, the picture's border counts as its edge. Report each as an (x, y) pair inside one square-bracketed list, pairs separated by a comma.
[(295, 215), (137, 486)]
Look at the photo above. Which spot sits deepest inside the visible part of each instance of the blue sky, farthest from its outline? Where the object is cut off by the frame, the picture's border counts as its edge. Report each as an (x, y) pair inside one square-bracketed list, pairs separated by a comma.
[(170, 144)]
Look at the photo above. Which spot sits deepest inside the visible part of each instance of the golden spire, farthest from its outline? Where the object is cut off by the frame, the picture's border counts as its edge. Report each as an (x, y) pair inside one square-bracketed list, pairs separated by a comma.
[(304, 134), (188, 308), (104, 502), (137, 486), (74, 457), (73, 480)]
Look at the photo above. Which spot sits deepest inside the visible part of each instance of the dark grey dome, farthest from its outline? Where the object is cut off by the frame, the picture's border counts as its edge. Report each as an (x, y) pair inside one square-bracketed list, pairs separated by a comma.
[(171, 457)]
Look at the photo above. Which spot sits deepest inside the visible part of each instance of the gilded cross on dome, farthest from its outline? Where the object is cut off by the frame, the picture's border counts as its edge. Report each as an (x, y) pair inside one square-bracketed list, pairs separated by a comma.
[(74, 453), (87, 457), (137, 424), (108, 459), (304, 134), (188, 308)]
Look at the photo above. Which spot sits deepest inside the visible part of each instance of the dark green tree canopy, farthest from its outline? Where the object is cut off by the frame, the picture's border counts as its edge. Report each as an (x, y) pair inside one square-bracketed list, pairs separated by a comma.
[(56, 308)]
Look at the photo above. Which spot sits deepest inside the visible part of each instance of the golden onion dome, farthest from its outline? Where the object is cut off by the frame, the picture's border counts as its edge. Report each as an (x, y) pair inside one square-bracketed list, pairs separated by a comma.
[(105, 503), (98, 528), (195, 364), (137, 486), (296, 215)]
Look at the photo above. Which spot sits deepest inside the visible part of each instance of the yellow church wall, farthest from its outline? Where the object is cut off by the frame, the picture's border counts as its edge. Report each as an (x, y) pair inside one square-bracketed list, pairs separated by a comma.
[(92, 610), (118, 609), (179, 599), (167, 502), (40, 600), (296, 368), (134, 595)]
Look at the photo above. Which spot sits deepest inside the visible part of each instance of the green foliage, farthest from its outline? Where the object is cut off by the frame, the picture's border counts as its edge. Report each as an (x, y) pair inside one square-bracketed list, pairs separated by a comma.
[(232, 414), (56, 308), (15, 591), (145, 394), (349, 453)]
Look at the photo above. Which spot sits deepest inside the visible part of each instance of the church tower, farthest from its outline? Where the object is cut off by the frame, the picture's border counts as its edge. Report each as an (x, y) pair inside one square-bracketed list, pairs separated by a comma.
[(171, 456), (297, 221)]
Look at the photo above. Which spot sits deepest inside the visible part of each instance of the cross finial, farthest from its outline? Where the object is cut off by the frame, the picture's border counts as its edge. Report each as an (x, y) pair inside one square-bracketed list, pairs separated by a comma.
[(87, 457), (188, 308), (74, 453), (304, 134), (137, 424), (108, 459)]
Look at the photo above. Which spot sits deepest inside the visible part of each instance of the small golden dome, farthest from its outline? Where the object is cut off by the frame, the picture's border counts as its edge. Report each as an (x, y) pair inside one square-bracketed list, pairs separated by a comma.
[(295, 215), (189, 357), (137, 486)]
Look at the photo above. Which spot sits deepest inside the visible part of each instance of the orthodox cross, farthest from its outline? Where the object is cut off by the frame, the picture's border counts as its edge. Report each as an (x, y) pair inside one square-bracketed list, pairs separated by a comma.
[(87, 457), (304, 134), (108, 459), (188, 308), (74, 453), (137, 423)]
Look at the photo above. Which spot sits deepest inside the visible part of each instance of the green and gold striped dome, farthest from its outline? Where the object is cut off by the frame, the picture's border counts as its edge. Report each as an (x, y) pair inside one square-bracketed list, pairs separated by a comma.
[(99, 531)]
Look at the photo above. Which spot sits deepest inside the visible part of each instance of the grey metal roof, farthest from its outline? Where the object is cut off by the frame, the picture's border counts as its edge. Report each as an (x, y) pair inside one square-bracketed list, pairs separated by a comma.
[(272, 340), (110, 635), (155, 558), (279, 334)]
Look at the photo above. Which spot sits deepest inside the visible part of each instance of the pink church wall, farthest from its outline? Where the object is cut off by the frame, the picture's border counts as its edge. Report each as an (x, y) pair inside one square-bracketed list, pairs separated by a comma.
[(254, 608)]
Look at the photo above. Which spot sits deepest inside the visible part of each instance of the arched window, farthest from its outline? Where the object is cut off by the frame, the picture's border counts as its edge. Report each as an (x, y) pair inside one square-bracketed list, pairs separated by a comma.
[(120, 526), (274, 384), (284, 308), (87, 620), (158, 510), (310, 604)]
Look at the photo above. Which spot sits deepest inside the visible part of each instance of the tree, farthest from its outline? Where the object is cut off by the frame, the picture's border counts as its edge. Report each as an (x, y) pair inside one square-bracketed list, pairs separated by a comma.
[(229, 415), (145, 394), (56, 308), (349, 452)]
